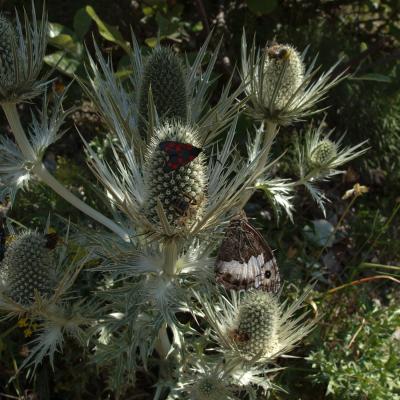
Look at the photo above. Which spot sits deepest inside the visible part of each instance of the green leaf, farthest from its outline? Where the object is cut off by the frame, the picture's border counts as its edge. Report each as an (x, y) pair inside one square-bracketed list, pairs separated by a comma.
[(55, 29), (64, 39), (262, 6), (373, 77), (148, 11), (67, 43), (197, 27), (82, 22), (151, 42), (166, 26), (108, 32), (64, 63)]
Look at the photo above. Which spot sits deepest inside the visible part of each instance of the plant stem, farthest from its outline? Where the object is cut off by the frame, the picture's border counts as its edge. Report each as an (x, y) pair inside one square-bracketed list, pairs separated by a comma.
[(270, 129), (345, 212), (362, 280), (41, 172), (171, 256), (163, 344)]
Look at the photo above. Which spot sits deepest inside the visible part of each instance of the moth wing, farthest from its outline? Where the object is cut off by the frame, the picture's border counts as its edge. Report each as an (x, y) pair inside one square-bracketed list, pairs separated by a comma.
[(271, 280)]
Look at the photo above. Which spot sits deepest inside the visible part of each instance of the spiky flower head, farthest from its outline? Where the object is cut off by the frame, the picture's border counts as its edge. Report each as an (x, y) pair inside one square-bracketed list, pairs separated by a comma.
[(181, 192), (257, 326), (7, 36), (279, 87), (164, 75), (28, 267), (323, 153), (209, 387), (283, 75)]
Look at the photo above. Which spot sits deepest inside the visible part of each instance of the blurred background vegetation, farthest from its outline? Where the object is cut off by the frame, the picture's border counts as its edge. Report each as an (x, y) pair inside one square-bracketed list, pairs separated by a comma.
[(353, 251)]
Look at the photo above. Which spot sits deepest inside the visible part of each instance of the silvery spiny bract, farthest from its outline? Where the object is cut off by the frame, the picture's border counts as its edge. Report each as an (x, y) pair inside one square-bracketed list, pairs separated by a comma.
[(28, 267), (22, 49), (182, 192)]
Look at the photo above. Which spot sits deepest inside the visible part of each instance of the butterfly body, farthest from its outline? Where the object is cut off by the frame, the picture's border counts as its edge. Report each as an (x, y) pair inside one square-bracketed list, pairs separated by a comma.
[(186, 207), (245, 260), (278, 52), (178, 154)]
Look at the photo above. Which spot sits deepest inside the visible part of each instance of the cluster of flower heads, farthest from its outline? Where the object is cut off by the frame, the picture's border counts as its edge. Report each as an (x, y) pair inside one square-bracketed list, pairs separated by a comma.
[(164, 186)]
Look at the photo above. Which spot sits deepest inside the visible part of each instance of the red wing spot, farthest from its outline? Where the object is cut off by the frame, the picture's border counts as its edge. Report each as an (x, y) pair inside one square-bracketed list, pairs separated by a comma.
[(183, 153)]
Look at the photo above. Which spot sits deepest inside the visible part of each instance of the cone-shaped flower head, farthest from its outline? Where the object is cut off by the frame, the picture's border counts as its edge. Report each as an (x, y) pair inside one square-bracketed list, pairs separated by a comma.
[(180, 191), (255, 326), (279, 87), (209, 388), (258, 322), (323, 153), (28, 266), (164, 74), (7, 37), (283, 75)]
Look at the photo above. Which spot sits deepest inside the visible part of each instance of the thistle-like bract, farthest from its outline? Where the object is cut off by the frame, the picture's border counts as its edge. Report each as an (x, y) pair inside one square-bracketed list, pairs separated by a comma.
[(258, 321), (22, 50), (323, 153), (164, 75), (27, 267), (283, 75), (181, 192), (7, 35)]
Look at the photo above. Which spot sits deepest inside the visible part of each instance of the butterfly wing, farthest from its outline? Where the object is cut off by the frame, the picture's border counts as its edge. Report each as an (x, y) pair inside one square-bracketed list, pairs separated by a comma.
[(178, 154), (245, 259), (268, 276)]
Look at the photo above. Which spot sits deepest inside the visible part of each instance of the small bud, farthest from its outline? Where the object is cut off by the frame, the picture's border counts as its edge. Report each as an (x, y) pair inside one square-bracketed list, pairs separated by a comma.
[(164, 74), (181, 191), (28, 267), (257, 327), (283, 75), (323, 153), (209, 388)]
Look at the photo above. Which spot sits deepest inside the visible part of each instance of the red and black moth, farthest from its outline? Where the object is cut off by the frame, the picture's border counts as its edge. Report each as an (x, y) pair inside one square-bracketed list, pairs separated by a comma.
[(245, 260), (178, 154)]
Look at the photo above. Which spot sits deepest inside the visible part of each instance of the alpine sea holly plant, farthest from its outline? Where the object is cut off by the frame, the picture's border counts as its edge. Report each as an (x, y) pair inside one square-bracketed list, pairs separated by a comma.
[(172, 185)]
